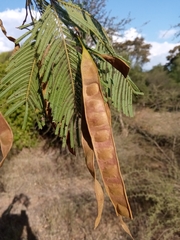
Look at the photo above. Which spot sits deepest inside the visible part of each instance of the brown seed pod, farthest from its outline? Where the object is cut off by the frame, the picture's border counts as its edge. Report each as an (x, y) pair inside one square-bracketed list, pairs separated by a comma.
[(6, 138), (89, 157), (98, 119)]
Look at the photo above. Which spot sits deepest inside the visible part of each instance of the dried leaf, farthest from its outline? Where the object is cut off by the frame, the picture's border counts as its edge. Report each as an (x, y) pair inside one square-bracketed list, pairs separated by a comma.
[(17, 46), (68, 142), (6, 138), (118, 63), (98, 120)]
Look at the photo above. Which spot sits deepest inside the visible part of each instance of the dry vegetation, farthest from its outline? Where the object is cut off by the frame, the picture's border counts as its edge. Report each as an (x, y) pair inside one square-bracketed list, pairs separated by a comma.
[(54, 193)]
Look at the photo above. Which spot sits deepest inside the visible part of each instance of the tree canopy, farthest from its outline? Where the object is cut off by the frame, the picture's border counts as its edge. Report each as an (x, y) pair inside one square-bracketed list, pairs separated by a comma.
[(137, 50), (97, 8), (173, 64)]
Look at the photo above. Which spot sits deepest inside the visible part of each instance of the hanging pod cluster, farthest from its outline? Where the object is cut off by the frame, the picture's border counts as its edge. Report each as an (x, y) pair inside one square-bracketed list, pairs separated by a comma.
[(44, 76), (97, 139)]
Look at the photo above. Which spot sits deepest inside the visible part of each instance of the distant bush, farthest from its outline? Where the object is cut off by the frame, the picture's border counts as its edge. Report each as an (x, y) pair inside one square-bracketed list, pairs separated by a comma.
[(161, 92), (22, 138), (150, 164)]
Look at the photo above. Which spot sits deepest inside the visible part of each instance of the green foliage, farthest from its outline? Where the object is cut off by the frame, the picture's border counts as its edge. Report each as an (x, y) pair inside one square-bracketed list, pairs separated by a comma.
[(173, 64), (150, 164), (44, 83), (3, 63), (44, 75), (22, 138), (2, 69), (139, 77), (97, 8), (175, 71), (4, 57), (156, 205), (161, 91)]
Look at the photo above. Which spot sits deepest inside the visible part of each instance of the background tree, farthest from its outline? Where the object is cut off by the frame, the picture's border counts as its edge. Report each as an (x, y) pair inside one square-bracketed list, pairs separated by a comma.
[(138, 51), (97, 8), (163, 91), (4, 57), (173, 64), (22, 138)]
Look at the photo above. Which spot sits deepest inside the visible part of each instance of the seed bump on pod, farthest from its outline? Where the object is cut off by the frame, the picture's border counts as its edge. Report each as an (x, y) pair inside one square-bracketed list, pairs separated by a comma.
[(101, 135), (92, 89)]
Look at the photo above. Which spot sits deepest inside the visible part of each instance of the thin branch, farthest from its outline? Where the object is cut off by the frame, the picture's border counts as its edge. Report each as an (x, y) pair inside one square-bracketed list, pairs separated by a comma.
[(154, 142)]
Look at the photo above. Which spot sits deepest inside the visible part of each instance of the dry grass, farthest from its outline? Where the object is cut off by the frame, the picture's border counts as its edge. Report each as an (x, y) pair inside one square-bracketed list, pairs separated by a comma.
[(62, 201), (158, 123), (60, 189)]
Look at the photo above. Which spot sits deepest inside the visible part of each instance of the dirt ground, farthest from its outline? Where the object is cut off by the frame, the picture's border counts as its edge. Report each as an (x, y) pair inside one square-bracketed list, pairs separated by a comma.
[(47, 196)]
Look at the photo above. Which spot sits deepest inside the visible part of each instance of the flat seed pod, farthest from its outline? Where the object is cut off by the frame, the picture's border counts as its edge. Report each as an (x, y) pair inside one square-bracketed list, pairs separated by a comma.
[(6, 138), (98, 120), (89, 157)]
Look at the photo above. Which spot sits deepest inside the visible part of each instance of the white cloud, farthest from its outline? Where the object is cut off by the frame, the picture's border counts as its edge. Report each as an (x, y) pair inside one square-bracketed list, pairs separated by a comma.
[(159, 52), (129, 34), (11, 20), (166, 34), (14, 18)]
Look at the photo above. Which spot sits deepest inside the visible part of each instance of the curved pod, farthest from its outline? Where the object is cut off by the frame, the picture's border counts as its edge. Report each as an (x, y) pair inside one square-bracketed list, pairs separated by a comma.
[(6, 138), (98, 118)]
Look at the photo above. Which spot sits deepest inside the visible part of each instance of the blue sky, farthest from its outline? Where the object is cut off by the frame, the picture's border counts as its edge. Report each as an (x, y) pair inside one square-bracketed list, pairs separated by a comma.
[(160, 17)]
